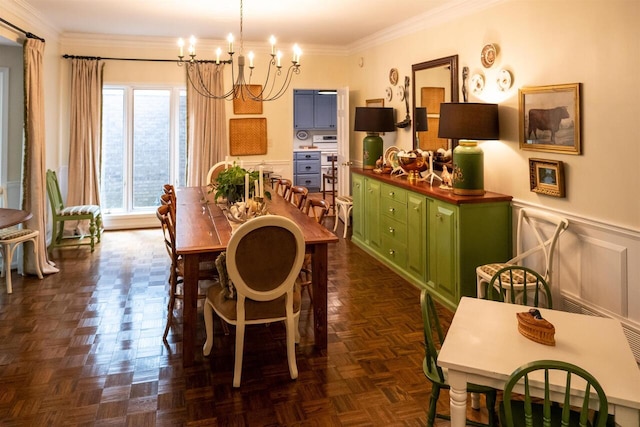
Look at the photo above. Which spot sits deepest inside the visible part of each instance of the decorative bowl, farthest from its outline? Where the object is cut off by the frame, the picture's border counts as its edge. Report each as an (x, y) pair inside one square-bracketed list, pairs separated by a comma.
[(417, 163), (413, 165)]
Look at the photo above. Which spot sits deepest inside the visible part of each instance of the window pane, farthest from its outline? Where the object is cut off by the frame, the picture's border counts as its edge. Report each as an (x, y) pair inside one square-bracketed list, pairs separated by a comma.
[(113, 150), (151, 145)]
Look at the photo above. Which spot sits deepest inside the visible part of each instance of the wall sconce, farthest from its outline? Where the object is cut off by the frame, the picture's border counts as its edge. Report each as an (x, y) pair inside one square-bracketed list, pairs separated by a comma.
[(373, 120), (468, 122)]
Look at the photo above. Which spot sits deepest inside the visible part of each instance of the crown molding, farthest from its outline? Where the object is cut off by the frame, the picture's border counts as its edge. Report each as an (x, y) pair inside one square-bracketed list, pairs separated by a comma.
[(29, 18), (437, 16), (79, 40)]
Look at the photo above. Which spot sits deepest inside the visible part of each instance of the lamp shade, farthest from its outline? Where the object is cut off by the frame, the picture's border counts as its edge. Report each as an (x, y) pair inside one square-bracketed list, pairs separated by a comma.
[(474, 121), (374, 119), (420, 119)]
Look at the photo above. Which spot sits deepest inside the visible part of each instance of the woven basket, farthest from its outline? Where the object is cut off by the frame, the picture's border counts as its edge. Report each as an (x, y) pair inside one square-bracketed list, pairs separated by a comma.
[(247, 136), (538, 330)]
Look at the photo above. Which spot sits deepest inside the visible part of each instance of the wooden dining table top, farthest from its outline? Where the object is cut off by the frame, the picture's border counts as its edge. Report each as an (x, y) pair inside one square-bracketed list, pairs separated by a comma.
[(209, 230), (10, 217)]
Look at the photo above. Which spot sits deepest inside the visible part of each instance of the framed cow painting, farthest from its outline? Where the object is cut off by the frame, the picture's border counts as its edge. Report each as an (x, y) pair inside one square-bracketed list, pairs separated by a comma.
[(550, 118)]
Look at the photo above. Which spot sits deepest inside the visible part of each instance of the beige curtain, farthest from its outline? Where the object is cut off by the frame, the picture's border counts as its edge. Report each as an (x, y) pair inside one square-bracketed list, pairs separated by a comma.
[(85, 131), (34, 197), (206, 123)]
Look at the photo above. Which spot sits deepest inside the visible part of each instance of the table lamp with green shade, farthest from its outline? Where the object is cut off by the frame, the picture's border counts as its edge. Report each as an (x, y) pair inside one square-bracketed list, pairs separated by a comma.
[(468, 122), (373, 120)]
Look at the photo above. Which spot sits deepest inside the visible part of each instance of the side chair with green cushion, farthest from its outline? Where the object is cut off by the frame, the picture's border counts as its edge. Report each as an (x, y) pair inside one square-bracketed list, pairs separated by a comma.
[(436, 374), (530, 285), (61, 214), (529, 413)]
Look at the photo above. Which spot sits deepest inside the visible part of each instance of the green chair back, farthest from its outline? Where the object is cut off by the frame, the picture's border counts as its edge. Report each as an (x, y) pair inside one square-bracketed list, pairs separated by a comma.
[(432, 335), (433, 340), (53, 190), (520, 285), (527, 413)]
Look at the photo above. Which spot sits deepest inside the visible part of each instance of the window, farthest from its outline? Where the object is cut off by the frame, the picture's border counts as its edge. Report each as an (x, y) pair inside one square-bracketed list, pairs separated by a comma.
[(143, 146)]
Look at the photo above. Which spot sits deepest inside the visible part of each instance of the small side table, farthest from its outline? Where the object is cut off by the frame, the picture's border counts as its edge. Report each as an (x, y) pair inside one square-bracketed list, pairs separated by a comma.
[(343, 204)]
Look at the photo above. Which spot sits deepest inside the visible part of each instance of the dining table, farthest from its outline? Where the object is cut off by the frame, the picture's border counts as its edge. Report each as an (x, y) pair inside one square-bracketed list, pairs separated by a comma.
[(203, 231), (483, 346), (11, 217)]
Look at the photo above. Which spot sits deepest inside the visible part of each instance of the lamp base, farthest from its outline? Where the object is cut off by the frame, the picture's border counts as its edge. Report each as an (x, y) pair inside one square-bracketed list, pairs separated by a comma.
[(371, 150), (468, 169)]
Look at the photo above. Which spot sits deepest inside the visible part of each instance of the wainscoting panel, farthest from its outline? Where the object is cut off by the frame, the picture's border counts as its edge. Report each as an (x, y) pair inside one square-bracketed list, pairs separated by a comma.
[(597, 271), (603, 274)]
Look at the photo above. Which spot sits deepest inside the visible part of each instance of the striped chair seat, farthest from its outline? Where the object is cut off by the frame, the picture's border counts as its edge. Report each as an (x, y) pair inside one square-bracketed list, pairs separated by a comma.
[(80, 210), (14, 233), (491, 269)]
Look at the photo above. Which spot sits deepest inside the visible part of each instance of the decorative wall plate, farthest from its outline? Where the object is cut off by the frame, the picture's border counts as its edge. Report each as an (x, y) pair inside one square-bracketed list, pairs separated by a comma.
[(302, 135), (393, 76), (476, 84), (400, 93), (504, 79), (488, 55), (388, 94)]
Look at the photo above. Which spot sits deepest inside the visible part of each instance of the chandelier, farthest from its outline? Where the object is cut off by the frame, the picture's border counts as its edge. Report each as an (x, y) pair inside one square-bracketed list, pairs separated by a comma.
[(242, 87)]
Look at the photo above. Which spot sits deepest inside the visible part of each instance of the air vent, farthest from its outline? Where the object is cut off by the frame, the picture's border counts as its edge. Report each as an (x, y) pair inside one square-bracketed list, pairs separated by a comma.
[(632, 333)]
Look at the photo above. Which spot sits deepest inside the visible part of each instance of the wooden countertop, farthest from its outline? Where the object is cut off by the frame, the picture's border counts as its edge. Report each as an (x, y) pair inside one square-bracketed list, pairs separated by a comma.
[(434, 191)]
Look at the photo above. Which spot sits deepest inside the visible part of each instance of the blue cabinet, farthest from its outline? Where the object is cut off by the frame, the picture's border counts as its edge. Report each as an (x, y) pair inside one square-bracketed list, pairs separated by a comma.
[(314, 110), (306, 170)]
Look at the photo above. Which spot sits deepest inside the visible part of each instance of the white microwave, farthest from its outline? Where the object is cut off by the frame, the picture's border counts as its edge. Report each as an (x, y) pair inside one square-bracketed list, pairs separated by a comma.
[(325, 138)]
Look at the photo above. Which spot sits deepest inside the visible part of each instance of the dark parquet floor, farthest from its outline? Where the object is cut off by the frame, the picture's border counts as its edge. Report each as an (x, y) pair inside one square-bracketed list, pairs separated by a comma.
[(84, 347)]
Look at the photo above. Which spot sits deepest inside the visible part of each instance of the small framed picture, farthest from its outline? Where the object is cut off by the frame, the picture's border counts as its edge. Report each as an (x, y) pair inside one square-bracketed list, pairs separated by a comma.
[(546, 177), (550, 118), (378, 102)]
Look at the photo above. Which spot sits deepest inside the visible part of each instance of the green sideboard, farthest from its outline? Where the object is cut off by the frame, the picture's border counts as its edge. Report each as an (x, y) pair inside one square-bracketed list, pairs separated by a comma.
[(431, 237)]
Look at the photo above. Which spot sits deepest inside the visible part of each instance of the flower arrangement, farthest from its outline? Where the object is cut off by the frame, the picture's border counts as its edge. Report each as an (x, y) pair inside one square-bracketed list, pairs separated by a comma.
[(230, 184)]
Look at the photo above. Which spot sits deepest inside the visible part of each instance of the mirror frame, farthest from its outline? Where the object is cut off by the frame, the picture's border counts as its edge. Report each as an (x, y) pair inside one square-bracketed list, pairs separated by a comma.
[(452, 62)]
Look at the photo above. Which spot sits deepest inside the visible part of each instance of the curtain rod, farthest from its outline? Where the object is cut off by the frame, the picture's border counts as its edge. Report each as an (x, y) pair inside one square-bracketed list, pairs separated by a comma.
[(98, 58), (26, 33)]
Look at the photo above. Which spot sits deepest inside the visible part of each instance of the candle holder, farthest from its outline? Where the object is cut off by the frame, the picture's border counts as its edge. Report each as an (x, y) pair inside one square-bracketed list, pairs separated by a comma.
[(244, 211)]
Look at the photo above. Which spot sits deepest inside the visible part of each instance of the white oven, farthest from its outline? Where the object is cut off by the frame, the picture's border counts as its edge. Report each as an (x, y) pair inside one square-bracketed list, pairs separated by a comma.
[(328, 146)]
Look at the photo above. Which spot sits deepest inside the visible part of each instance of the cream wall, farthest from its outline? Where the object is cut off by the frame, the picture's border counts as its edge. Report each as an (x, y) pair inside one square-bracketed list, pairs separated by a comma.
[(596, 43)]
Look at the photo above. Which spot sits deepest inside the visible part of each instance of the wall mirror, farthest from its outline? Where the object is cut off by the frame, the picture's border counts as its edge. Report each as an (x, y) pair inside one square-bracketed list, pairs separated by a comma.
[(434, 82)]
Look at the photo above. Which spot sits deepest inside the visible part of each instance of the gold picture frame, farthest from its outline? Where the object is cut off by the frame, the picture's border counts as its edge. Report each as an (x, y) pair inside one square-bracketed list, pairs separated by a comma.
[(547, 177), (378, 102), (550, 118)]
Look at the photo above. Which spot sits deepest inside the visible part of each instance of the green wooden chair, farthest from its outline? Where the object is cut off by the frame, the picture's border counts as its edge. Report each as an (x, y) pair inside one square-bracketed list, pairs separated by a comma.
[(433, 335), (530, 286), (547, 413), (61, 214)]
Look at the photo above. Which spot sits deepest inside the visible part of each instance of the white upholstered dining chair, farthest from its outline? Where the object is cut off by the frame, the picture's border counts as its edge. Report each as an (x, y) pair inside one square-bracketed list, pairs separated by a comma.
[(264, 281)]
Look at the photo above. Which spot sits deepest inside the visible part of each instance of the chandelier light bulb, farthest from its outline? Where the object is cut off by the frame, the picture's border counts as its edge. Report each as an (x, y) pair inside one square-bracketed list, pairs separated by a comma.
[(230, 41), (218, 53), (278, 59), (181, 47), (192, 45), (296, 54), (251, 55), (272, 41)]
